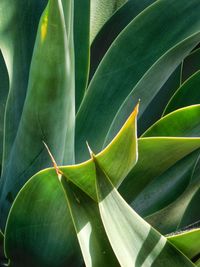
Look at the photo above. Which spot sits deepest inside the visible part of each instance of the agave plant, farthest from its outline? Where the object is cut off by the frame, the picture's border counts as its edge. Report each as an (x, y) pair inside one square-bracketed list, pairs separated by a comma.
[(89, 176)]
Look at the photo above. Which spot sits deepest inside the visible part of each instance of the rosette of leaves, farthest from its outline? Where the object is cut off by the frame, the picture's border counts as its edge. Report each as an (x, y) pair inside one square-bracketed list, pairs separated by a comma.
[(72, 72)]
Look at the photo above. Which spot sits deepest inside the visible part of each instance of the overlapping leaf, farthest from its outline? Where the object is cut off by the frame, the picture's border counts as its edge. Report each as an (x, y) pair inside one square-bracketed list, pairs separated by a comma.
[(140, 244), (51, 88), (18, 29), (126, 63)]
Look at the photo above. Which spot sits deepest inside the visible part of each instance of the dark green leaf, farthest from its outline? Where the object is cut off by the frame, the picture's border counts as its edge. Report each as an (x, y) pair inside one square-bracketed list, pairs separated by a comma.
[(101, 11), (191, 64), (18, 29), (112, 28), (81, 43), (39, 230), (4, 85), (126, 63), (156, 155), (51, 88), (187, 94)]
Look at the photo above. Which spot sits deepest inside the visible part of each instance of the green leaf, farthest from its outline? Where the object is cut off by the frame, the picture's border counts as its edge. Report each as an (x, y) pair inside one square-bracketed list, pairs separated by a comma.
[(187, 94), (192, 213), (93, 241), (112, 28), (167, 187), (191, 64), (198, 263), (2, 256), (101, 11), (168, 219), (3, 97), (156, 155), (125, 64), (39, 230), (17, 47), (81, 46), (140, 244), (122, 152), (188, 242), (184, 122), (51, 88)]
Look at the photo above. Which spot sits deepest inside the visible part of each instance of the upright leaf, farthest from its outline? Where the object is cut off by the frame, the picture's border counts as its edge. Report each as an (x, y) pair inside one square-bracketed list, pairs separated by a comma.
[(4, 86), (112, 28), (18, 29), (49, 110), (126, 63), (81, 46), (101, 11)]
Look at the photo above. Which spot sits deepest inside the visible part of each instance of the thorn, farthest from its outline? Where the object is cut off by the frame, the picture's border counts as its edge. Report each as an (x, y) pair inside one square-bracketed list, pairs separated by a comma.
[(90, 150), (58, 172)]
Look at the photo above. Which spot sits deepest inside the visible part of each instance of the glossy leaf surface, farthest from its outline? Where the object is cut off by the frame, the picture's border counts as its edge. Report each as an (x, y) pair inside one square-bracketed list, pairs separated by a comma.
[(39, 230), (124, 59), (51, 87), (188, 242), (122, 152), (140, 244)]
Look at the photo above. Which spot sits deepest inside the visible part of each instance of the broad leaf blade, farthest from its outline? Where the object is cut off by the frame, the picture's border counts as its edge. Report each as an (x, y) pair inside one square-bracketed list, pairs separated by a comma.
[(122, 152), (140, 244), (188, 242), (18, 30), (156, 155), (93, 241), (39, 229), (51, 88), (121, 68), (184, 122), (112, 29)]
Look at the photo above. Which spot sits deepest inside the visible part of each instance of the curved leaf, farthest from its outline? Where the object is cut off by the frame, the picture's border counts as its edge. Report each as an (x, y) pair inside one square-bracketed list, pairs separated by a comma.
[(39, 230), (187, 94), (119, 73), (156, 155), (188, 242), (101, 11), (184, 122), (18, 29), (112, 28), (165, 188), (168, 219), (51, 88), (140, 244), (191, 64), (122, 152), (93, 241)]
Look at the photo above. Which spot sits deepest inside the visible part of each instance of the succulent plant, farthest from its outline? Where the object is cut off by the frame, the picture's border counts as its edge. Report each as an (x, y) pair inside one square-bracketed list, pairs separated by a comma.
[(100, 133)]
